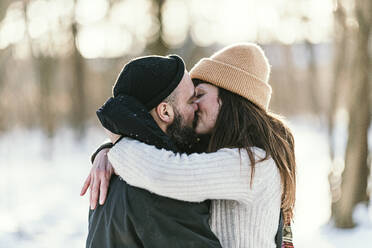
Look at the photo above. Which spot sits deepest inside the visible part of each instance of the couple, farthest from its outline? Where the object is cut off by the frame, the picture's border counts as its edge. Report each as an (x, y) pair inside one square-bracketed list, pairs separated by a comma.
[(201, 162)]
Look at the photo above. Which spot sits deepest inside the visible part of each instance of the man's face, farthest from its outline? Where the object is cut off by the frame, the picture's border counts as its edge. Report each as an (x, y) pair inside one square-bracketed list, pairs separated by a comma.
[(184, 100), (181, 130)]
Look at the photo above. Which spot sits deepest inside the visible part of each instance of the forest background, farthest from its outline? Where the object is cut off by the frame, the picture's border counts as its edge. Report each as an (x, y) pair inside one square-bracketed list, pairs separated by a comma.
[(59, 60)]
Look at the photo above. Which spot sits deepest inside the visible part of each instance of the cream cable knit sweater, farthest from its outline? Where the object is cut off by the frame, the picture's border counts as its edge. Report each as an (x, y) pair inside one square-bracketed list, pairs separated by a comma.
[(241, 216)]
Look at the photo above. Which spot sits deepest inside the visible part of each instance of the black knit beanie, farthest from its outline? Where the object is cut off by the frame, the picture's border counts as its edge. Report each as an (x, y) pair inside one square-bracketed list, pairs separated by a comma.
[(150, 79), (142, 85)]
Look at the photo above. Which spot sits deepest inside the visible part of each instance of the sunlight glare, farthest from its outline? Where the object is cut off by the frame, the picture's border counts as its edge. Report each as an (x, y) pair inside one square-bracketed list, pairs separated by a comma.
[(267, 20), (204, 21), (207, 21), (286, 32), (12, 28), (90, 11), (199, 31), (175, 22), (238, 22), (103, 40), (135, 15), (205, 9), (319, 27), (45, 16)]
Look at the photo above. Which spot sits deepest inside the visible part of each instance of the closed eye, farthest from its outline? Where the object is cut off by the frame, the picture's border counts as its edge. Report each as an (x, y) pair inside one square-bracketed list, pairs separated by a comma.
[(197, 97)]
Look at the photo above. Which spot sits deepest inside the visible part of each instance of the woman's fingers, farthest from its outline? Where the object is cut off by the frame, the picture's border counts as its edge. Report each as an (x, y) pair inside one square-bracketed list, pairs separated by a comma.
[(103, 191), (94, 193), (85, 186), (98, 180)]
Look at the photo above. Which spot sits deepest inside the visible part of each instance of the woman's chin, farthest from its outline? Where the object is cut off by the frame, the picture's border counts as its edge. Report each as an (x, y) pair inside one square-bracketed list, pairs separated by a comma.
[(200, 129)]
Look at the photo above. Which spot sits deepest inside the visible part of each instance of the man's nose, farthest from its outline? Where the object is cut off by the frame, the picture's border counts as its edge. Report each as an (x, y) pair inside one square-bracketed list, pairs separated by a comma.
[(195, 107)]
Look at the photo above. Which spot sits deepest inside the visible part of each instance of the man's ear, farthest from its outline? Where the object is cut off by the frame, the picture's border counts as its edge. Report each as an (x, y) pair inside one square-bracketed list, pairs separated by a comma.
[(165, 112)]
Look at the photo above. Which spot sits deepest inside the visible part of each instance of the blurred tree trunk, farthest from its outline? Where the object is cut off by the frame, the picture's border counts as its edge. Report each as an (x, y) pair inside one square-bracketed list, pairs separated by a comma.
[(355, 175), (2, 119), (46, 66), (3, 8), (4, 57), (313, 79), (187, 50), (339, 67), (158, 46), (290, 96), (78, 107), (363, 62)]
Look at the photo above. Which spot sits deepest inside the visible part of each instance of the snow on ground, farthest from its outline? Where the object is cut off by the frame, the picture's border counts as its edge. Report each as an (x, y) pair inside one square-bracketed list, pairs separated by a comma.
[(40, 184), (313, 206)]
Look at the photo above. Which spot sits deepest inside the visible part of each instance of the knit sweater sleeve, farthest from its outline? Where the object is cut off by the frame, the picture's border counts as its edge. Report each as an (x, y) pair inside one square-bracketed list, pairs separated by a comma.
[(224, 174)]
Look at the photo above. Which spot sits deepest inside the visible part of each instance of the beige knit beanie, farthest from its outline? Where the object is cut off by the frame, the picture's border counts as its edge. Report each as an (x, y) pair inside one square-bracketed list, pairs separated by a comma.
[(240, 68)]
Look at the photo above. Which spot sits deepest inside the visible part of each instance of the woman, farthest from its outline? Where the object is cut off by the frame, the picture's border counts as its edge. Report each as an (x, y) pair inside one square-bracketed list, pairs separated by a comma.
[(249, 170)]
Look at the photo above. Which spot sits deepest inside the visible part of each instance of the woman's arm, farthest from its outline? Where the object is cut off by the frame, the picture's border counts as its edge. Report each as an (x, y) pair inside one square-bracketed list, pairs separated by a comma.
[(224, 174)]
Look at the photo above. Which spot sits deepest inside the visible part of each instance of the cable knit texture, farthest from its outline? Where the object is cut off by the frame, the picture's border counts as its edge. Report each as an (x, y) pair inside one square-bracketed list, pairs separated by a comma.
[(241, 216)]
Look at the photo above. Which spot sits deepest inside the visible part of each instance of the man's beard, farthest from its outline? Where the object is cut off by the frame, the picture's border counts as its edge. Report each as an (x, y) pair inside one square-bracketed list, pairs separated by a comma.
[(182, 135)]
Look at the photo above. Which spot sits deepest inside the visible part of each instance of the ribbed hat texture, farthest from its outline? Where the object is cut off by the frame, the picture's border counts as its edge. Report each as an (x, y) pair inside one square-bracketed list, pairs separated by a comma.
[(144, 81), (150, 79), (241, 68)]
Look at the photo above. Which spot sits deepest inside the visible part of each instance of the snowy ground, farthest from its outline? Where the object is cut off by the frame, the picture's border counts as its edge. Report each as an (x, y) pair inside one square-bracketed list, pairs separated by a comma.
[(40, 204)]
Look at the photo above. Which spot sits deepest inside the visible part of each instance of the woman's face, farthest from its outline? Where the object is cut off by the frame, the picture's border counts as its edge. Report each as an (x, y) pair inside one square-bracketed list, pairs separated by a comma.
[(208, 105)]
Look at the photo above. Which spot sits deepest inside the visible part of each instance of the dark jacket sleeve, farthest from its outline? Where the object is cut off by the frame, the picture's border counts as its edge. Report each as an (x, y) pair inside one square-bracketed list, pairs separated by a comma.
[(279, 234), (103, 146)]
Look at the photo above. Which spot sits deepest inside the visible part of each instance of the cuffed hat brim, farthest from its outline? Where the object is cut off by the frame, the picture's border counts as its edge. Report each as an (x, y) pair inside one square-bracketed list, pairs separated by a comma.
[(241, 68)]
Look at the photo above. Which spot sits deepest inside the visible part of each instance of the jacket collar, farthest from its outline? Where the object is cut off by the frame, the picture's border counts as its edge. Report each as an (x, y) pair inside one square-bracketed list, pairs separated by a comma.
[(127, 116)]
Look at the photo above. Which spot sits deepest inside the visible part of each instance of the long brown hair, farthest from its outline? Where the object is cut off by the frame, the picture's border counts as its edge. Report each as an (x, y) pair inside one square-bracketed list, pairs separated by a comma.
[(242, 124)]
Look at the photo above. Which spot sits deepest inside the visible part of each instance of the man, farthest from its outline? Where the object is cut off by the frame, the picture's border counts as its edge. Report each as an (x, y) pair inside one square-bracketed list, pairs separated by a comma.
[(153, 103)]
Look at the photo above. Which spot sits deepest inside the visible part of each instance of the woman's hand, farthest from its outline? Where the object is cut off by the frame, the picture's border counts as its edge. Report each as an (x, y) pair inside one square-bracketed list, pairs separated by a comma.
[(98, 179)]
